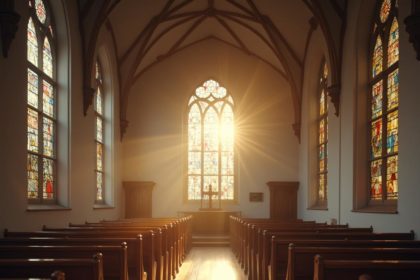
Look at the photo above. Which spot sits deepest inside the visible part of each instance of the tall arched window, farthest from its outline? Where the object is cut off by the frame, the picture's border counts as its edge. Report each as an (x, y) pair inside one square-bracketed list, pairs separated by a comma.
[(211, 142), (384, 104), (41, 104), (99, 135), (322, 171)]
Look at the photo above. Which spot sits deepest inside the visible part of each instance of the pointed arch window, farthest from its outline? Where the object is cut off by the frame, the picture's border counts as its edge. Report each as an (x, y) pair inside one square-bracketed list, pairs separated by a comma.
[(322, 146), (211, 156), (41, 105), (99, 135), (384, 84)]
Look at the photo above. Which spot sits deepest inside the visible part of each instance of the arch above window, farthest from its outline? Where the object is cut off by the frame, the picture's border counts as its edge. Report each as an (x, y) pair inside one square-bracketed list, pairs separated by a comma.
[(211, 155)]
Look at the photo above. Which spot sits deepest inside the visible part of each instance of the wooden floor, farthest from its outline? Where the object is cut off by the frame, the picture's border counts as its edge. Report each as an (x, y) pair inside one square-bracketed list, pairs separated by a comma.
[(210, 263)]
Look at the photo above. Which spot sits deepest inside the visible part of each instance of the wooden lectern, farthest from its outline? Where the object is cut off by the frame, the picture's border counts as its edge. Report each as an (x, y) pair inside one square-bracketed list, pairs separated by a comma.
[(138, 199)]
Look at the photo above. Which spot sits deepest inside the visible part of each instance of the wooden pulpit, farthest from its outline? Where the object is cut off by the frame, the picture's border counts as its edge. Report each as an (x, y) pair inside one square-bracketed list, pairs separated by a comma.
[(283, 200)]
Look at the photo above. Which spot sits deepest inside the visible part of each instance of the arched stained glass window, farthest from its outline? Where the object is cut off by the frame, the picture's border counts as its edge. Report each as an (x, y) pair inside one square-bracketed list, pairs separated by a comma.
[(384, 104), (41, 105), (99, 135), (211, 142), (322, 171)]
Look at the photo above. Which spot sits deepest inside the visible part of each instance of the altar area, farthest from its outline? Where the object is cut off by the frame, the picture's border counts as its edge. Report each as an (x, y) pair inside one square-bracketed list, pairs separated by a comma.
[(210, 221)]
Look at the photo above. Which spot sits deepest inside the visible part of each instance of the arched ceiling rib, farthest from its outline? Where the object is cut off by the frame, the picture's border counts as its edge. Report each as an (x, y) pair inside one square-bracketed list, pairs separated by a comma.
[(147, 32)]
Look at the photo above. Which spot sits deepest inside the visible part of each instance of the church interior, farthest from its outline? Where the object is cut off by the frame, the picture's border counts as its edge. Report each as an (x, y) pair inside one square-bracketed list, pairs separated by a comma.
[(231, 112)]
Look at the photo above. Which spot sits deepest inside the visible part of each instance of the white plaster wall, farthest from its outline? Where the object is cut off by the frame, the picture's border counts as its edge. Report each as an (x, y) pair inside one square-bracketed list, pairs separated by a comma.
[(408, 217), (154, 147), (81, 150)]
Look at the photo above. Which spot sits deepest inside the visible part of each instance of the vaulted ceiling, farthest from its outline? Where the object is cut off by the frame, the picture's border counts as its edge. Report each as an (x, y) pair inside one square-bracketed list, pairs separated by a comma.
[(146, 32)]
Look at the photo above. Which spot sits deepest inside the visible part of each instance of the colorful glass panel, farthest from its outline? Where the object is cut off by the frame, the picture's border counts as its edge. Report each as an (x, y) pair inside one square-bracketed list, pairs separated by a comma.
[(211, 135), (47, 58), (377, 65), (376, 179), (322, 131), (48, 137), (48, 176), (212, 181), (227, 163), (32, 176), (99, 129), (48, 99), (377, 139), (322, 158), (194, 163), (194, 129), (392, 133), (99, 156), (99, 186), (322, 187), (40, 10), (194, 187), (385, 9), (227, 187), (32, 88), (98, 103), (211, 163), (32, 43), (32, 130), (393, 89), (377, 93), (322, 108), (393, 43), (392, 177), (227, 129)]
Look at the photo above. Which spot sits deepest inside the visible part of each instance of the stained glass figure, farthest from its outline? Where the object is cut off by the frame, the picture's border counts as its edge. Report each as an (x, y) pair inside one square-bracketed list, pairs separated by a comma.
[(378, 54), (48, 137), (47, 58), (392, 133), (33, 131), (48, 176), (385, 9), (322, 140), (211, 142), (384, 102), (32, 89), (32, 176), (48, 98), (376, 179), (392, 177), (393, 43), (99, 135), (32, 43), (41, 12), (393, 89), (377, 93)]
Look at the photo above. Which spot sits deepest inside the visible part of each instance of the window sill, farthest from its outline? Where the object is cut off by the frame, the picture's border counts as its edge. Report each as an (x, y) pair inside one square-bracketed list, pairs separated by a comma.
[(40, 207), (102, 206), (378, 209), (322, 208)]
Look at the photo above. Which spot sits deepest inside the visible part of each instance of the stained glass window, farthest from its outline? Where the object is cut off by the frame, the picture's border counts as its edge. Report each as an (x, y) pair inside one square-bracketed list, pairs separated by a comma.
[(384, 104), (211, 157), (99, 135), (322, 141), (41, 102)]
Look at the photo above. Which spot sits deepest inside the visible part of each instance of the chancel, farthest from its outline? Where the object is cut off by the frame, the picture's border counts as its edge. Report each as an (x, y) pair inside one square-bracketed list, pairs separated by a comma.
[(210, 139)]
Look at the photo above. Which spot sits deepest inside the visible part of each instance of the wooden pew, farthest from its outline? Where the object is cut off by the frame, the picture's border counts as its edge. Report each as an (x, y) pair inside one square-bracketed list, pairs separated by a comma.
[(268, 235), (151, 263), (134, 248), (301, 259), (377, 269), (80, 269), (280, 248), (114, 257)]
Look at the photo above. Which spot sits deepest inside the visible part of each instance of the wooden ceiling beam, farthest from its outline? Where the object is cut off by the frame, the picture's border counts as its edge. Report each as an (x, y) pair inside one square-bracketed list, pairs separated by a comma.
[(232, 33)]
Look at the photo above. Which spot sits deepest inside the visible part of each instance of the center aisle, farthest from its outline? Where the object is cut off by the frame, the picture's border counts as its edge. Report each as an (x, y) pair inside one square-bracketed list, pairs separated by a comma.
[(210, 263)]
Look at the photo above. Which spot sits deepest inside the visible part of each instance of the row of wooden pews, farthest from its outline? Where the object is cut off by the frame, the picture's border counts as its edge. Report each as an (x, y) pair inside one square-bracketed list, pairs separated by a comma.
[(274, 249), (143, 249)]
